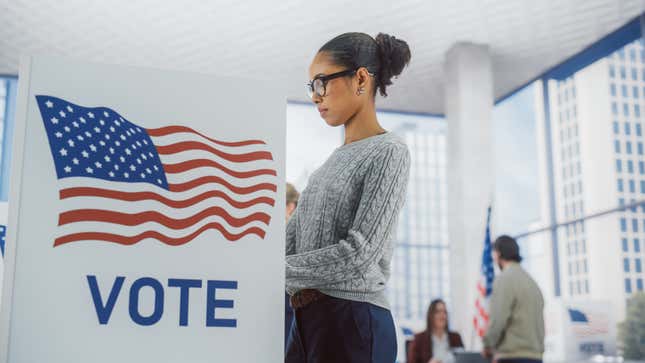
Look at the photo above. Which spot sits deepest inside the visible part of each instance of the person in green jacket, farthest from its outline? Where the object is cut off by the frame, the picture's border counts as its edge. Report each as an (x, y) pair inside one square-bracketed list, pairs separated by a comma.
[(515, 331)]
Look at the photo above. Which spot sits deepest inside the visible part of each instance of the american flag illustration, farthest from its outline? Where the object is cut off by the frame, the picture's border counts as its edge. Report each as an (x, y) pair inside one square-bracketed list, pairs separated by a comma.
[(121, 183), (485, 284), (588, 323)]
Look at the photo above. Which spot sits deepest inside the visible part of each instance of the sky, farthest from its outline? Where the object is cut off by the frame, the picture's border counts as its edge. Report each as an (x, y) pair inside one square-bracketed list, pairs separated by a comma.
[(516, 203)]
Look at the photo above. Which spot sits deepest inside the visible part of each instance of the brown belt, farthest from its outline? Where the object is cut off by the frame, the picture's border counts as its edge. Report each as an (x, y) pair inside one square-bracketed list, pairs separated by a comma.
[(305, 297)]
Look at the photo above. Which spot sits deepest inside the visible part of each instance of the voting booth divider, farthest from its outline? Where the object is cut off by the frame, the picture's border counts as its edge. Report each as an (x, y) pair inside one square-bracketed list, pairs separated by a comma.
[(147, 217)]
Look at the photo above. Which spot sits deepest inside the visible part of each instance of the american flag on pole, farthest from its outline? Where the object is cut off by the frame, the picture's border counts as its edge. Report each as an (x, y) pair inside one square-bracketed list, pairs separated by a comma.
[(121, 183), (485, 284), (3, 235)]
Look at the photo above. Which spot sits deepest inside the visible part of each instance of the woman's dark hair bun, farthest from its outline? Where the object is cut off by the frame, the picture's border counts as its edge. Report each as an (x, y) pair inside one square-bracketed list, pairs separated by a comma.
[(394, 55), (384, 56)]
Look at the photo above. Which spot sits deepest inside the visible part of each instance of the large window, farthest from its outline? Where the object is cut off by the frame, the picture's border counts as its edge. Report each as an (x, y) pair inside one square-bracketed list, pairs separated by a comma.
[(7, 113), (516, 203), (420, 268), (309, 142)]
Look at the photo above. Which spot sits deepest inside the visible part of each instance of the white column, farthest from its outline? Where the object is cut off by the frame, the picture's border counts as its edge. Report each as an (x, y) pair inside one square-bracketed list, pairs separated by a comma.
[(469, 104)]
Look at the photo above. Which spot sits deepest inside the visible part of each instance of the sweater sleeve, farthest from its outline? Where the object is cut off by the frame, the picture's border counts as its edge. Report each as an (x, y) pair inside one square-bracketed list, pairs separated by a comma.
[(381, 199), (501, 306)]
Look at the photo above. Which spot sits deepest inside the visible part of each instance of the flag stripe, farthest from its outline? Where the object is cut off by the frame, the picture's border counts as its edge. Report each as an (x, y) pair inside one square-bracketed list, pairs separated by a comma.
[(198, 154), (124, 240), (181, 187), (184, 146), (133, 219), (201, 163), (173, 195), (481, 289), (180, 178), (142, 196), (169, 130), (482, 311), (102, 227)]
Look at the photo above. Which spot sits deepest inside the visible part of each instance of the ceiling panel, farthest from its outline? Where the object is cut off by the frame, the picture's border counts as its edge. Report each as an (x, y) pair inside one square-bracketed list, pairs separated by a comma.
[(276, 40)]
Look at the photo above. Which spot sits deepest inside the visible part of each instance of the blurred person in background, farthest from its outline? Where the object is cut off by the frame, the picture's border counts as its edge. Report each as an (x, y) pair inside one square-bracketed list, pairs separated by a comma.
[(292, 200), (437, 342), (515, 331)]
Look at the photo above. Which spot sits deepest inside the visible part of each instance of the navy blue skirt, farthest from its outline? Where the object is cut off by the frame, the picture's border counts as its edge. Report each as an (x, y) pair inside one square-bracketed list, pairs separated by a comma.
[(339, 331)]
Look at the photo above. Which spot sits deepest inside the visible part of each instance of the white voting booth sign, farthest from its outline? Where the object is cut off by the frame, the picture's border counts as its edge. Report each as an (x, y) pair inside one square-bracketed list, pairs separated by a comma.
[(147, 218)]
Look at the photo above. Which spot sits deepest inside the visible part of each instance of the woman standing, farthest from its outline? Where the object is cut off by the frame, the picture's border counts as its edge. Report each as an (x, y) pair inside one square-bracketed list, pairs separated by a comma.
[(436, 343), (339, 240)]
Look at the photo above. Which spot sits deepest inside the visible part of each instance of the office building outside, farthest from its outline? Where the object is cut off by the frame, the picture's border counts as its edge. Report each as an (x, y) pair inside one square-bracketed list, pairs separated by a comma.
[(597, 163)]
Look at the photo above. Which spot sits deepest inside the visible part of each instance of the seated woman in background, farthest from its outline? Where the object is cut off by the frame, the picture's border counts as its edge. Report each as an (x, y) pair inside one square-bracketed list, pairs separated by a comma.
[(435, 344)]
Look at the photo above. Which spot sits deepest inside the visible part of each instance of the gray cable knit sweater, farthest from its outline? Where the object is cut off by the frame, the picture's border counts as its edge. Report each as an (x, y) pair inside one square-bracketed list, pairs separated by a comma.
[(340, 238)]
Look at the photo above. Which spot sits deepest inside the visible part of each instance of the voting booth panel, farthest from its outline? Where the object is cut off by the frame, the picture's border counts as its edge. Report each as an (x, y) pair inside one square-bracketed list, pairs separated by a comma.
[(147, 217)]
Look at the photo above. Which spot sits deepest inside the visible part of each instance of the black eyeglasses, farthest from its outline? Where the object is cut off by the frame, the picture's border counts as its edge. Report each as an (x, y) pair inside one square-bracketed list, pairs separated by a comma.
[(318, 85)]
